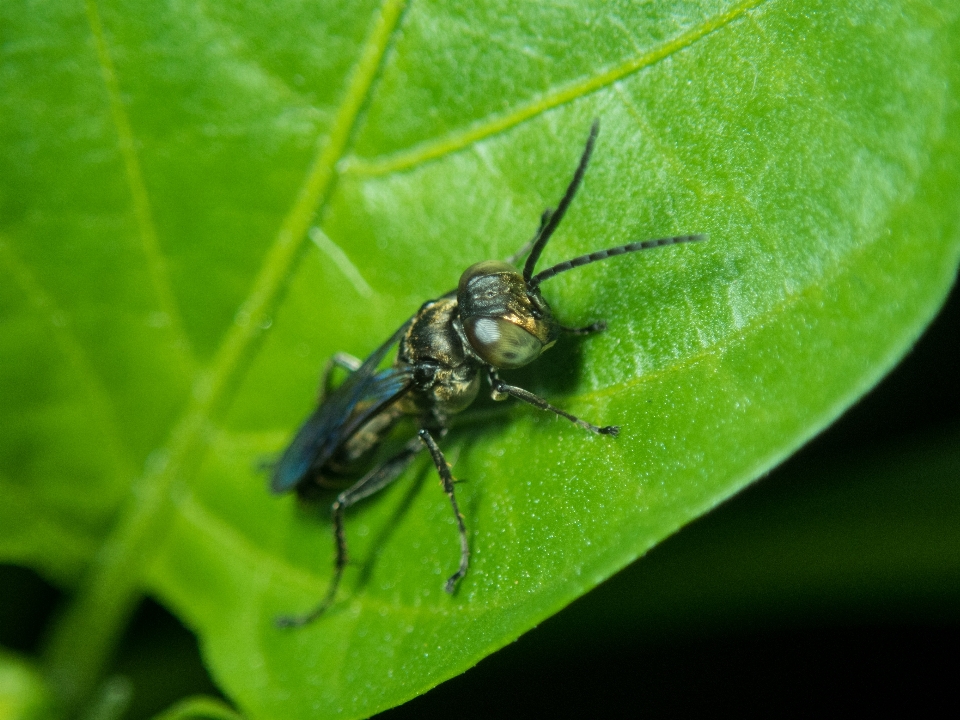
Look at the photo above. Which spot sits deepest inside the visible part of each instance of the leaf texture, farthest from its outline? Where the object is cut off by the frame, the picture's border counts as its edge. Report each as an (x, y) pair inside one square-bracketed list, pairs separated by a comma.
[(200, 205)]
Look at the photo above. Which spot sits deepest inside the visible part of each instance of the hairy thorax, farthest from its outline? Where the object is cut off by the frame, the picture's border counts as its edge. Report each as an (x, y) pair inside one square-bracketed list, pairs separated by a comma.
[(446, 375)]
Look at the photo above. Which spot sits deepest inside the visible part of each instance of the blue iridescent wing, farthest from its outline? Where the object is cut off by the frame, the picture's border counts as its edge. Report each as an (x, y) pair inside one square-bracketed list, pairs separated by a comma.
[(338, 418)]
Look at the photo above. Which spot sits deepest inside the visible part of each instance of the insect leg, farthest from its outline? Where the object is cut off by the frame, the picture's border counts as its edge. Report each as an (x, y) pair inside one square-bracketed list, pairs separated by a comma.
[(522, 252), (375, 480), (444, 470), (342, 360), (586, 330), (502, 389)]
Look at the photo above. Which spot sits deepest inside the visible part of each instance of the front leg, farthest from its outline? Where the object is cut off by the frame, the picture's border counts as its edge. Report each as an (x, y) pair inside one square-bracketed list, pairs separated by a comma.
[(444, 470), (501, 390), (525, 249), (590, 329)]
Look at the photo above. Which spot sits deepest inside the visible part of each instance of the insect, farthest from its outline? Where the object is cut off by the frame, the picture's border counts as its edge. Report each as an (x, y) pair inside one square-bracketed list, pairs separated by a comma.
[(496, 319)]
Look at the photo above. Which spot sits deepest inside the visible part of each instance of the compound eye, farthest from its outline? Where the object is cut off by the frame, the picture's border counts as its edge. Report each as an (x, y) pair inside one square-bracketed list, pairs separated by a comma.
[(501, 343)]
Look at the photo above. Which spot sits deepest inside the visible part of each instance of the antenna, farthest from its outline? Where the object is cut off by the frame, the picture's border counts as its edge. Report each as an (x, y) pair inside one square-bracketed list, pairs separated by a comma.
[(612, 252), (547, 230)]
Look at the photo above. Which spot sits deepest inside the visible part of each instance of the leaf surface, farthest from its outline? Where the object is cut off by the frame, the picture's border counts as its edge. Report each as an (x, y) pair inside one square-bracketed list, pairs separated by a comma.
[(166, 318), (23, 693)]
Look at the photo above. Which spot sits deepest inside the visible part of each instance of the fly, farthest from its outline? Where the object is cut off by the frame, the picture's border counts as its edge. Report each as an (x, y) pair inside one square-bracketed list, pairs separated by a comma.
[(496, 319)]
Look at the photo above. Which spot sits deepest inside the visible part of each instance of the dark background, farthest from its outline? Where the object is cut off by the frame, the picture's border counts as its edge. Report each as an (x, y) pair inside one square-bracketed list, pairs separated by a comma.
[(833, 583)]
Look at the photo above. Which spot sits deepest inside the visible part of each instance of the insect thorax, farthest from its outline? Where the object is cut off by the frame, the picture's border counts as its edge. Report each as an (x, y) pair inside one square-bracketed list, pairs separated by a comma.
[(446, 375)]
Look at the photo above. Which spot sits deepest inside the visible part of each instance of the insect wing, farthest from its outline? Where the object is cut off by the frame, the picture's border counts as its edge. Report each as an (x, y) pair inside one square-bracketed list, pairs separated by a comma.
[(337, 417)]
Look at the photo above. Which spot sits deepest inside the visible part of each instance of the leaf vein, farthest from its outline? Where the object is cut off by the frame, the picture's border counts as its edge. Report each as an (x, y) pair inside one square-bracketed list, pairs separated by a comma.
[(156, 265), (71, 347), (223, 534), (339, 258), (436, 148)]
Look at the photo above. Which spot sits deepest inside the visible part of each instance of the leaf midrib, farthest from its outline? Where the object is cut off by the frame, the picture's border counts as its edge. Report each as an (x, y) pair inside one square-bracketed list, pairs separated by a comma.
[(83, 638)]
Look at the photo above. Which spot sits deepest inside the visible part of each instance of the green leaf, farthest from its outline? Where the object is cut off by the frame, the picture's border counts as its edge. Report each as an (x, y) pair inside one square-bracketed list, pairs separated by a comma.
[(161, 169), (868, 535), (199, 708), (23, 693), (840, 541)]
